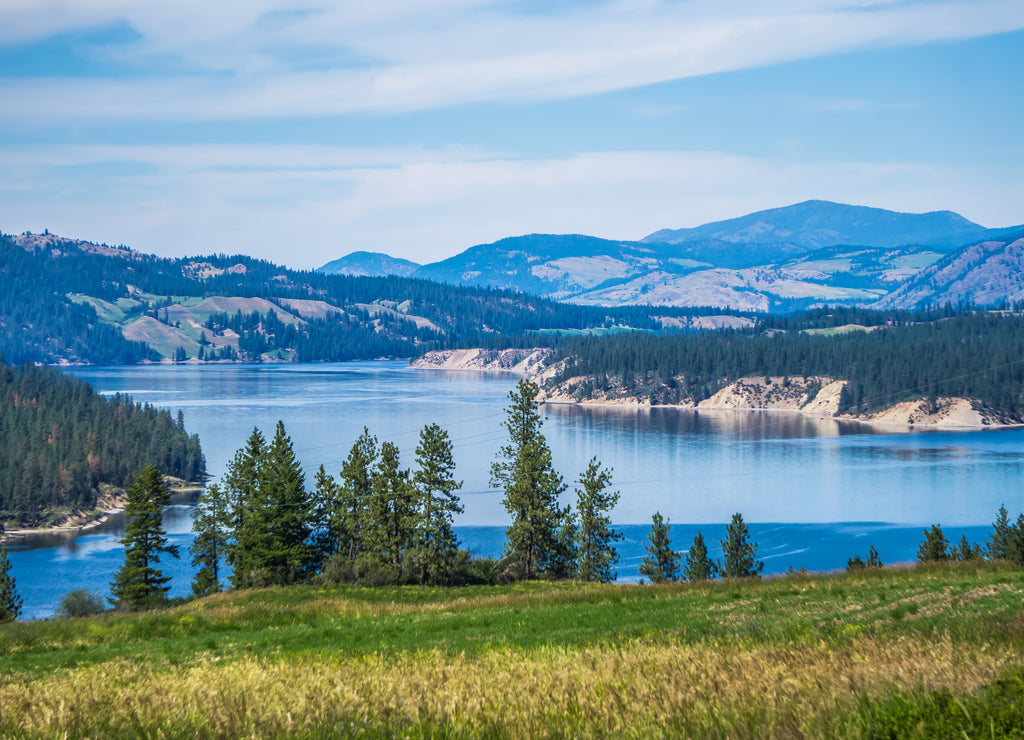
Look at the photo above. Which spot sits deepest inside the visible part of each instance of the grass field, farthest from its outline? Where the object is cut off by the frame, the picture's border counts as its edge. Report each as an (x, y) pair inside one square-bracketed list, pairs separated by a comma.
[(933, 652)]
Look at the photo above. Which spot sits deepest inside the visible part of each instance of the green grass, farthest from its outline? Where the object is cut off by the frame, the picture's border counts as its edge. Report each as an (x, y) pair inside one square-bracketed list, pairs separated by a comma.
[(876, 654)]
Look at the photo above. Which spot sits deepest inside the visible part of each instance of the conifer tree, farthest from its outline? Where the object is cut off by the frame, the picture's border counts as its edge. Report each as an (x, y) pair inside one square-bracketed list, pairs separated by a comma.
[(285, 511), (1000, 546), (562, 560), (935, 547), (326, 499), (597, 556), (242, 484), (209, 523), (1002, 536), (965, 551), (10, 602), (525, 472), (1016, 550), (873, 560), (391, 522), (138, 584), (739, 553), (350, 518), (699, 567), (662, 563), (436, 545)]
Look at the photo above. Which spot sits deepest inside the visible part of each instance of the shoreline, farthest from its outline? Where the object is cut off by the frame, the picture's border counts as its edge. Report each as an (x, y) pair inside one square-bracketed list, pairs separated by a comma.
[(13, 535), (527, 364)]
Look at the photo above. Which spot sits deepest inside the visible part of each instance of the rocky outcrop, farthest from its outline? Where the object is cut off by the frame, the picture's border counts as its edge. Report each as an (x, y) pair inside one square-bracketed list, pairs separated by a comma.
[(811, 395), (525, 362)]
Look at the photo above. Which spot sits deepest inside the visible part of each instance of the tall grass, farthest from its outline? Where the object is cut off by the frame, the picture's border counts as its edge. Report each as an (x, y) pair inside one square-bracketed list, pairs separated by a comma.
[(796, 657)]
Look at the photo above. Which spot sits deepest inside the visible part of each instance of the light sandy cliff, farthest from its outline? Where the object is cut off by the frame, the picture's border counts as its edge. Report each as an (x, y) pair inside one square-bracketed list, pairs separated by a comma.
[(814, 395), (525, 362)]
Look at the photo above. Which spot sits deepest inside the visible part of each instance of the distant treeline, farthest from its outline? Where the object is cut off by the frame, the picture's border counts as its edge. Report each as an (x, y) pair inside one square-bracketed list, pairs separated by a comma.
[(977, 355), (40, 323), (59, 440)]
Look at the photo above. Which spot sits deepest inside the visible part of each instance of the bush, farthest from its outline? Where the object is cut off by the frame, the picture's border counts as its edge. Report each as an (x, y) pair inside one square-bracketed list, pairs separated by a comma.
[(79, 603)]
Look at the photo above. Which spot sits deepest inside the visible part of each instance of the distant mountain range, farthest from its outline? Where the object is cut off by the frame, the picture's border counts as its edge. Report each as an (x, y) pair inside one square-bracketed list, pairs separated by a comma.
[(808, 254)]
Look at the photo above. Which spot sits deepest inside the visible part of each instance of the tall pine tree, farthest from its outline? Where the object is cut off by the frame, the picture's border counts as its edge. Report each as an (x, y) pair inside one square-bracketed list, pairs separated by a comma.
[(436, 546), (934, 547), (661, 564), (699, 566), (209, 523), (326, 497), (350, 518), (285, 512), (138, 584), (392, 505), (524, 471), (596, 557), (1001, 545), (739, 553), (242, 487)]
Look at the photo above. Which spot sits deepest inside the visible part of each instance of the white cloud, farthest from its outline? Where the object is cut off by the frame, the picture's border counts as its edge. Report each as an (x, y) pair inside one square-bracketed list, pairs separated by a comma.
[(417, 55), (303, 206)]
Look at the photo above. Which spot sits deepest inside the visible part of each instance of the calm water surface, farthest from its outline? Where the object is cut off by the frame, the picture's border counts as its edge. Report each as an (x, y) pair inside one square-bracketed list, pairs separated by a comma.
[(815, 492)]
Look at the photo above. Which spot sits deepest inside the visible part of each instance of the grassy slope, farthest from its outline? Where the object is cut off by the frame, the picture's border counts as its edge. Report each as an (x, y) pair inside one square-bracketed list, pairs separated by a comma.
[(849, 655)]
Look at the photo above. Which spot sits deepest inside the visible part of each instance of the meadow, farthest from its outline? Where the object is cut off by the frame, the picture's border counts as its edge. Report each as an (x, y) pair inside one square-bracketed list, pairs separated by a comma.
[(900, 652)]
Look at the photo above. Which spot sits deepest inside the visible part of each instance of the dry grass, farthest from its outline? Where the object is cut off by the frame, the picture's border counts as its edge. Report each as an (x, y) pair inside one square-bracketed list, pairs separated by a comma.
[(794, 657), (640, 689)]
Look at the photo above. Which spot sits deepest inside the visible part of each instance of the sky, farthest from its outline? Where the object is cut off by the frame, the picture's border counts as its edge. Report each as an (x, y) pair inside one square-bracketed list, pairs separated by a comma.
[(302, 131)]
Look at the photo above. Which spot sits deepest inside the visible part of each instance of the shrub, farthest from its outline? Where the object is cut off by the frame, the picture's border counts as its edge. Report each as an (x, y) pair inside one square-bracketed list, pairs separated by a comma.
[(79, 603)]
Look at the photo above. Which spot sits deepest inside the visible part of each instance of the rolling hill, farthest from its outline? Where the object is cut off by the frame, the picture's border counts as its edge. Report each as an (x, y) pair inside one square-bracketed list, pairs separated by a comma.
[(72, 301)]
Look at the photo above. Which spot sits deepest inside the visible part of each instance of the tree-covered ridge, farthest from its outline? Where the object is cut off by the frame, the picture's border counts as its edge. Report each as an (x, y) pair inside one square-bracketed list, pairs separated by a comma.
[(59, 440), (978, 356), (72, 301)]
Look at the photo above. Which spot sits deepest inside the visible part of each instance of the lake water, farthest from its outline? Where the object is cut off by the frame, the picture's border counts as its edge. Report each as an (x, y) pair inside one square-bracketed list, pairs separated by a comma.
[(814, 491)]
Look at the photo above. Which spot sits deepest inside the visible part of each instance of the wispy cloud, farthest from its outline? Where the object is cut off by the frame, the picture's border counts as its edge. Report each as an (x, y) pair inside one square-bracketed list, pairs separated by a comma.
[(253, 58)]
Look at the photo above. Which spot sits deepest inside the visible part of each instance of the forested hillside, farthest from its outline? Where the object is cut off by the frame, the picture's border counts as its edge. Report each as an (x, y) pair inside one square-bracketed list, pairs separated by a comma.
[(67, 300), (978, 356), (60, 440)]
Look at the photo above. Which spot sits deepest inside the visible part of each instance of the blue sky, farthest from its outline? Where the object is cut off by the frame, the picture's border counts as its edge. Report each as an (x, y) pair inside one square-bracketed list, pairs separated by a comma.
[(301, 132)]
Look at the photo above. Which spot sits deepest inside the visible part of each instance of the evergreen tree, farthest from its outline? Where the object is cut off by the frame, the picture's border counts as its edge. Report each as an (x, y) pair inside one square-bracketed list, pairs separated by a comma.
[(662, 563), (285, 512), (436, 546), (242, 484), (739, 552), (1001, 543), (524, 471), (563, 558), (10, 602), (350, 518), (138, 584), (935, 546), (1016, 550), (209, 523), (597, 556), (699, 566), (855, 563), (326, 499), (391, 522), (965, 551)]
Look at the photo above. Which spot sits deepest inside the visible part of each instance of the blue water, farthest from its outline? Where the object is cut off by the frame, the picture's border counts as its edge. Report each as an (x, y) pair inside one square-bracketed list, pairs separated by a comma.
[(831, 488)]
